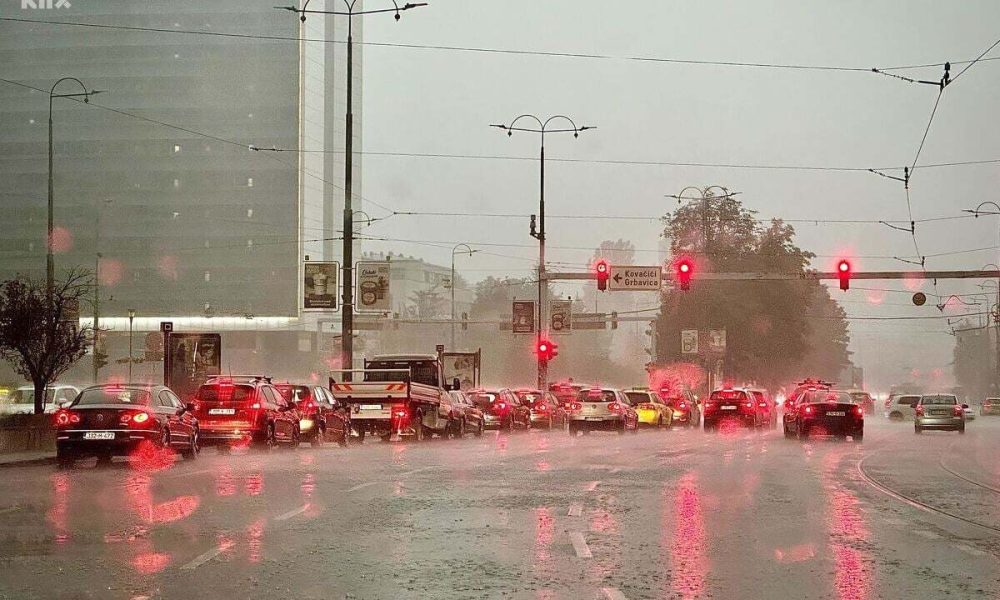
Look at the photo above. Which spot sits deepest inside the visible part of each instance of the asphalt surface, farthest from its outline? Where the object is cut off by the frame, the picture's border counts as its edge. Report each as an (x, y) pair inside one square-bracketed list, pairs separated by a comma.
[(538, 515)]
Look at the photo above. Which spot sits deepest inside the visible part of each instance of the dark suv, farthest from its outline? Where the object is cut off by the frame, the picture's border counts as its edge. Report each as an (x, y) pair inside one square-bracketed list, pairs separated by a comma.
[(245, 410), (321, 417)]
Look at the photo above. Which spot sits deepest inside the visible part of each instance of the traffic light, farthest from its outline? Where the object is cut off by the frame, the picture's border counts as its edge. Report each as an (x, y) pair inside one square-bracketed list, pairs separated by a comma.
[(546, 350), (844, 274), (684, 270), (601, 269)]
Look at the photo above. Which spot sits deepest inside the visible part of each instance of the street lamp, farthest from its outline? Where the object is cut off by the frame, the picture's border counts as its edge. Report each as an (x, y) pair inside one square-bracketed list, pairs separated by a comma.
[(347, 316), (50, 261), (453, 251), (131, 317), (706, 195), (541, 130)]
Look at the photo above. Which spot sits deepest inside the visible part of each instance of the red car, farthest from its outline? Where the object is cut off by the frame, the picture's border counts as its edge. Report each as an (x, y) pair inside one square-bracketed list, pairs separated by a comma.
[(687, 411), (321, 416), (767, 408), (245, 410), (115, 420), (733, 406)]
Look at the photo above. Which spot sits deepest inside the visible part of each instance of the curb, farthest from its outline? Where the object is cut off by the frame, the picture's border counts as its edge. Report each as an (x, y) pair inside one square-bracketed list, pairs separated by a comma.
[(29, 462)]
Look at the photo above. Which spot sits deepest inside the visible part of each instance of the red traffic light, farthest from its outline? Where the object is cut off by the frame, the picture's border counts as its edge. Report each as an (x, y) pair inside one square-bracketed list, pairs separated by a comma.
[(602, 271), (844, 274), (546, 350), (685, 268)]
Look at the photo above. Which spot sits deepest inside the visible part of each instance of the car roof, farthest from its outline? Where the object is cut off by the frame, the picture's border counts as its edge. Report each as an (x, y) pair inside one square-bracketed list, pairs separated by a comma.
[(127, 386), (51, 386), (403, 357)]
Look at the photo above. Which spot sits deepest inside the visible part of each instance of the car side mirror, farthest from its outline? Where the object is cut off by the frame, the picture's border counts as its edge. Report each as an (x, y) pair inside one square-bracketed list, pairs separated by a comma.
[(965, 406), (189, 407)]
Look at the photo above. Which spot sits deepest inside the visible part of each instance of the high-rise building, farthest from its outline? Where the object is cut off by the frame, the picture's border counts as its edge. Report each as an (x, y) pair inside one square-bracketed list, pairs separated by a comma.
[(188, 220)]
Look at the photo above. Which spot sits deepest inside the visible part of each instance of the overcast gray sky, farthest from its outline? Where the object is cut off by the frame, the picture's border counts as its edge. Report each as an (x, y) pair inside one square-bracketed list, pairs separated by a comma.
[(442, 101)]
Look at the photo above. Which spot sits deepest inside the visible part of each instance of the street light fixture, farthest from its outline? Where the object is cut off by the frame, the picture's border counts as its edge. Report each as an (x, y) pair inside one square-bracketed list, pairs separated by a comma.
[(470, 251), (50, 261), (541, 130), (131, 317), (706, 195), (347, 314)]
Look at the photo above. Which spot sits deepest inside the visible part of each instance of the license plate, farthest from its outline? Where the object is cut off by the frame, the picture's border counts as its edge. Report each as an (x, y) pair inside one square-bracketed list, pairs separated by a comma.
[(222, 411), (371, 407), (836, 414), (939, 412), (592, 418), (99, 435), (727, 407)]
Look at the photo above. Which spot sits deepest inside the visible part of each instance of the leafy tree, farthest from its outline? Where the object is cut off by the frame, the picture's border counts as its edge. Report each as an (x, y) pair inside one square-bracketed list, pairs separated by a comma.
[(39, 333)]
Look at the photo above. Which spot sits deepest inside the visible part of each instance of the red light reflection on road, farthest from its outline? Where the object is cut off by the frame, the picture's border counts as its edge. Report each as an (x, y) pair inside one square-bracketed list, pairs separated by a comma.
[(150, 563), (255, 541), (147, 456), (688, 554), (254, 485), (308, 486), (179, 508), (58, 514), (602, 521), (544, 533), (225, 483), (853, 567), (542, 466)]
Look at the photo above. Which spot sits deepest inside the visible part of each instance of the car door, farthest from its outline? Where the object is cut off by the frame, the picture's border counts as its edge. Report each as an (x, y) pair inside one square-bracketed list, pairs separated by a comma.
[(334, 419), (277, 411), (185, 418), (167, 414)]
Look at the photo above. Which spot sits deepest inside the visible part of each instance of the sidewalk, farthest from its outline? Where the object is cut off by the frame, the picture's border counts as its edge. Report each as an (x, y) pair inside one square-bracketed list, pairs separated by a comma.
[(24, 459)]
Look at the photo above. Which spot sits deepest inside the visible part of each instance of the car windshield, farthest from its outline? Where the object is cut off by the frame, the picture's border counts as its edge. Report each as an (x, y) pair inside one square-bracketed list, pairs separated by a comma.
[(636, 398), (27, 396), (597, 396), (484, 399), (828, 396), (939, 400), (218, 392), (110, 395)]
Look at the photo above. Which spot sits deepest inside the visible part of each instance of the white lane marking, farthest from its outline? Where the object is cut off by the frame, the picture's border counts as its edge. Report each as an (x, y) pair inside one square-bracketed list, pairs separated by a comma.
[(615, 470), (927, 534), (292, 513), (204, 558), (363, 485), (580, 545), (970, 550), (593, 485), (894, 521), (9, 509), (575, 510), (415, 471), (613, 594)]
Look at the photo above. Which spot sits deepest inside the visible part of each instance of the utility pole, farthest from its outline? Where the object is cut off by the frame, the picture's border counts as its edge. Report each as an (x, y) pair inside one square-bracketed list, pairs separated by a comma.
[(996, 211), (347, 308), (539, 234), (453, 250)]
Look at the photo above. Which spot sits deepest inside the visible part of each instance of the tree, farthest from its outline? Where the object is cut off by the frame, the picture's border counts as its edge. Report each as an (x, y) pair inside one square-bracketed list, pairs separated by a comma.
[(40, 335)]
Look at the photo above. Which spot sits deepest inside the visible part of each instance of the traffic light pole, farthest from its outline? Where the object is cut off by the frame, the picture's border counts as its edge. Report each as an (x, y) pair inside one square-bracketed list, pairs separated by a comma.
[(810, 275)]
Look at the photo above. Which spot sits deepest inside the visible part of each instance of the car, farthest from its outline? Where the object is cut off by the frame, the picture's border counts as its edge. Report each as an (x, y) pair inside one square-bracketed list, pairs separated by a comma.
[(970, 415), (602, 409), (939, 411), (902, 407), (566, 392), (472, 417), (732, 405), (545, 409), (245, 410), (117, 420), (501, 409), (22, 400), (767, 407), (826, 412), (864, 399), (990, 406), (321, 417), (685, 408), (651, 409)]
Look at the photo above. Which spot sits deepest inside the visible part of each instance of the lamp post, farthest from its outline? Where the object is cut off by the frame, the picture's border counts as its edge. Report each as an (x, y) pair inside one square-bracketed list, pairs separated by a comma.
[(453, 251), (347, 314), (50, 261), (131, 317), (976, 212), (541, 130)]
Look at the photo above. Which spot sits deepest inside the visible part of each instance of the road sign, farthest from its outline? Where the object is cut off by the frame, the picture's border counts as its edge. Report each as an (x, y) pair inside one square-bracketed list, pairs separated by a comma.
[(373, 287), (166, 326), (919, 298), (689, 341), (590, 321), (562, 316), (320, 286), (630, 278), (717, 341), (523, 319)]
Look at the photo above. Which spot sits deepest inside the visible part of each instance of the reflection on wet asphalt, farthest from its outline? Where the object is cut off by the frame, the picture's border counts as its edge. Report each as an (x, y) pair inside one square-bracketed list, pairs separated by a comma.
[(675, 514)]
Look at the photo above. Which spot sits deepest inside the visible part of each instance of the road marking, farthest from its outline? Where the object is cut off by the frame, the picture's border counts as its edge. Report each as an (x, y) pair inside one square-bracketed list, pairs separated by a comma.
[(593, 485), (615, 470), (361, 486), (204, 558), (9, 509), (927, 534), (613, 594), (894, 521), (575, 509), (292, 513), (970, 550), (580, 545), (415, 471)]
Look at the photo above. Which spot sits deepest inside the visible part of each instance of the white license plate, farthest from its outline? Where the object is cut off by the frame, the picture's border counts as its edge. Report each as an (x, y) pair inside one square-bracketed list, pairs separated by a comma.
[(99, 435), (371, 407), (836, 414), (728, 407), (592, 419), (222, 411)]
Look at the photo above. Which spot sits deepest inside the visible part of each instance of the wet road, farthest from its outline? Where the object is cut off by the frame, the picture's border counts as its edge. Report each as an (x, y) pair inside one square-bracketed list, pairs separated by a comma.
[(677, 514)]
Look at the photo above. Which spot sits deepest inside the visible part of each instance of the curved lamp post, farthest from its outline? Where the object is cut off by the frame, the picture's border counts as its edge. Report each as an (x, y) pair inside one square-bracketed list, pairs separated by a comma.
[(468, 249)]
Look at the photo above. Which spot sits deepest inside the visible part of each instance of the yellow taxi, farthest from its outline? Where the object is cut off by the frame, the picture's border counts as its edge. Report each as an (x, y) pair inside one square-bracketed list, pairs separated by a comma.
[(651, 409)]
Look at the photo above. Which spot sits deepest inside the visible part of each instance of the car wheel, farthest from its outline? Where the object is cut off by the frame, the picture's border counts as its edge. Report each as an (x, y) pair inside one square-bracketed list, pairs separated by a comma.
[(918, 429), (479, 430), (859, 437), (296, 439), (788, 434), (319, 437), (510, 425), (345, 436), (361, 435), (65, 460), (269, 441), (192, 452), (418, 428), (165, 439), (803, 433), (461, 429), (961, 430)]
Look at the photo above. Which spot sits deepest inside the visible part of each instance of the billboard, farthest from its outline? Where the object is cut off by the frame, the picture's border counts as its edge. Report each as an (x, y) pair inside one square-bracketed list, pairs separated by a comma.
[(463, 365), (320, 286), (562, 316), (190, 359), (523, 317), (373, 287)]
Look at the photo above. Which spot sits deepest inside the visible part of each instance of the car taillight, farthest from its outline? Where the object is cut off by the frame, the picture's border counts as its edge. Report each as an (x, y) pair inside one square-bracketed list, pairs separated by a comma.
[(613, 407), (255, 405), (65, 418), (682, 406), (919, 410), (139, 419), (400, 413), (808, 410), (575, 406), (859, 411), (958, 411)]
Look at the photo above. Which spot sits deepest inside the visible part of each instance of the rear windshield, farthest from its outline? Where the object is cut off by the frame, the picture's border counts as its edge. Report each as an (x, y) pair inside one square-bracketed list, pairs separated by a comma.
[(484, 399), (758, 395), (729, 396), (294, 393), (126, 396), (637, 398), (861, 396), (530, 398), (941, 400), (827, 396), (908, 400), (28, 396), (424, 372), (225, 393), (597, 396)]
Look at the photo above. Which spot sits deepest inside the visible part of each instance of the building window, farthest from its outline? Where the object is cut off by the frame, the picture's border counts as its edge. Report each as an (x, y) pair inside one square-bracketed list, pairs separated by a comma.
[(177, 148), (249, 213), (177, 183), (249, 181), (208, 277)]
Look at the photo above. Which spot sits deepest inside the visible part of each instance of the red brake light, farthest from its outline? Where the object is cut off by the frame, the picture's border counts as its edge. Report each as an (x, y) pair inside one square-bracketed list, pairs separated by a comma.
[(682, 405), (808, 410), (919, 410), (501, 405), (958, 410), (65, 417), (859, 411), (575, 406)]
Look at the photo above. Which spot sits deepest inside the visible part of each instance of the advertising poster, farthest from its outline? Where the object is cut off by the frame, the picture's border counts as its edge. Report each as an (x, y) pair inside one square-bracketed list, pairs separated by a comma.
[(373, 287), (321, 283), (190, 359)]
